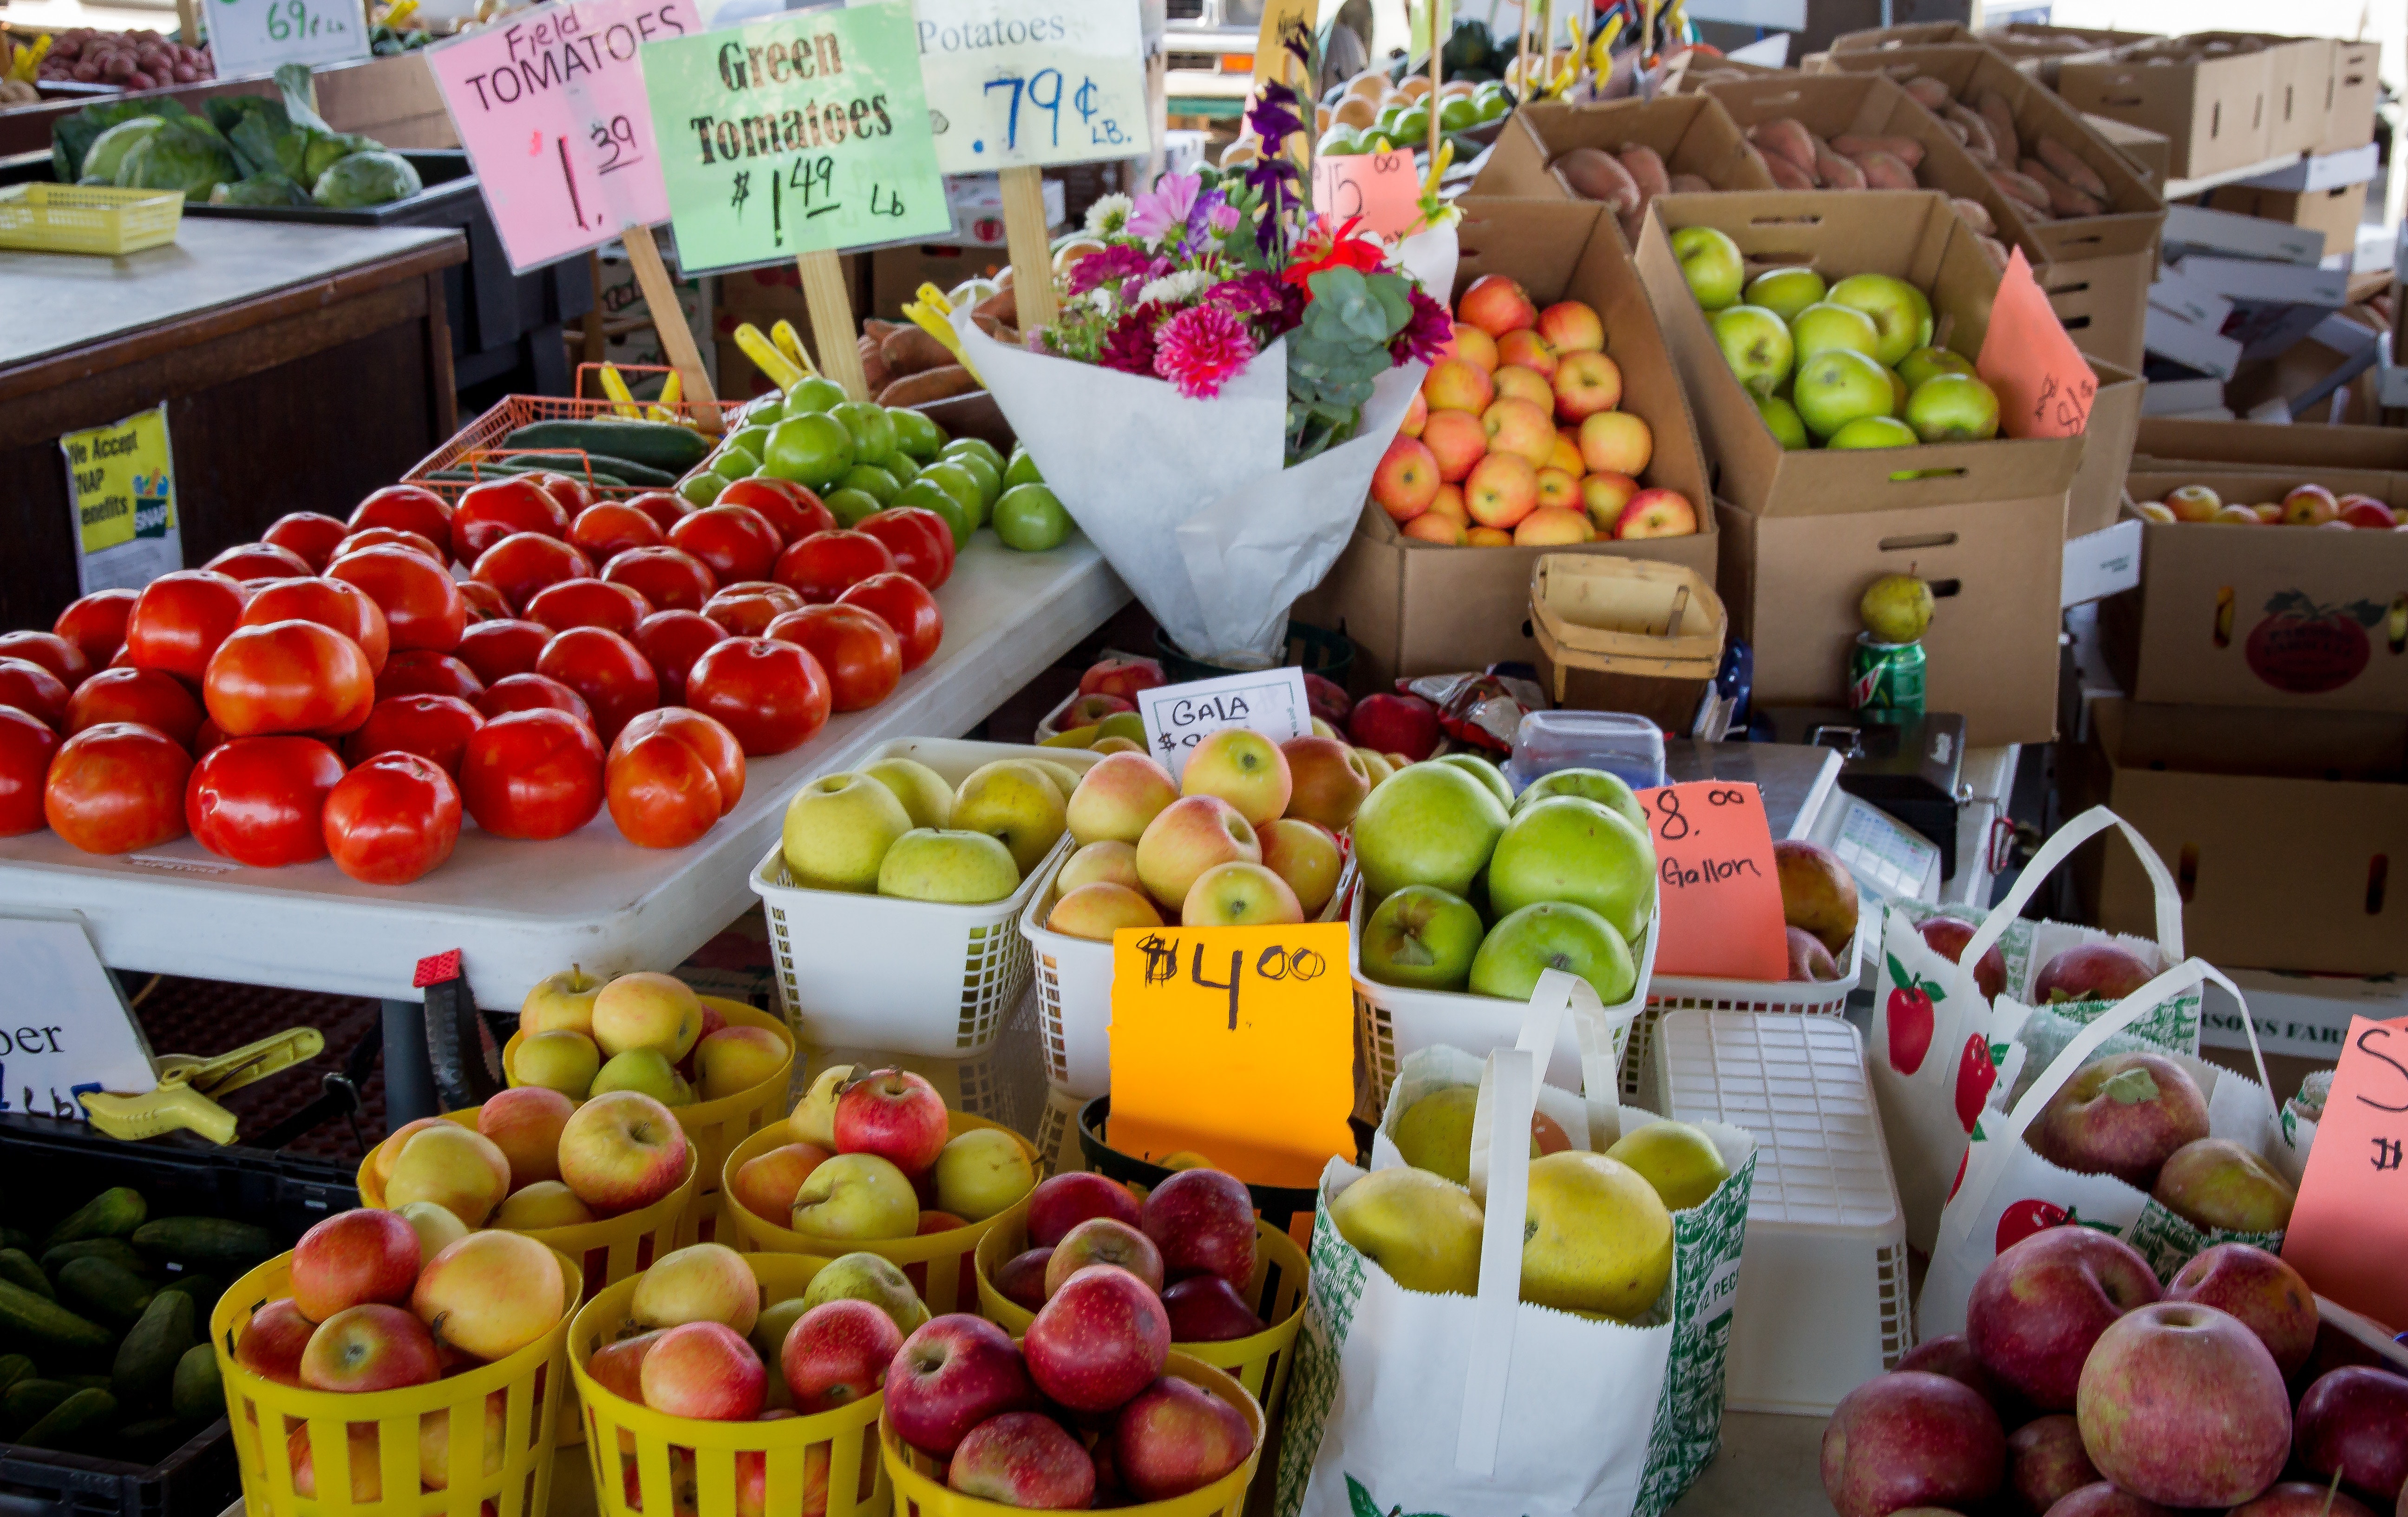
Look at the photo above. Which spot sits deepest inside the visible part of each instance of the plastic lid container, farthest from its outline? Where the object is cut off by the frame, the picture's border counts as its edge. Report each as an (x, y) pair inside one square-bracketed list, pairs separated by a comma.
[(1614, 741)]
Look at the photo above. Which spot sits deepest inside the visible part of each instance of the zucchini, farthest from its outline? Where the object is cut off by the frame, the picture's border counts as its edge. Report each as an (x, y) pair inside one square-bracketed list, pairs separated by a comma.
[(28, 1402), (116, 1250), (40, 1322), (144, 1374), (18, 1268), (217, 1244), (114, 1213), (663, 445), (77, 1417), (198, 1393), (106, 1292)]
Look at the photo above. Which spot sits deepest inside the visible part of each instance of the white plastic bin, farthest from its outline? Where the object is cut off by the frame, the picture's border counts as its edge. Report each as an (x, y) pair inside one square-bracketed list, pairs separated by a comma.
[(1822, 1298), (904, 976), (1683, 992)]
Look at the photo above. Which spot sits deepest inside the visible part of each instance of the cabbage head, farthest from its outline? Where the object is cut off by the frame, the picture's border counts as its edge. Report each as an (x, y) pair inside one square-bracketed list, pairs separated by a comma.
[(182, 155), (366, 178), (109, 149), (259, 190)]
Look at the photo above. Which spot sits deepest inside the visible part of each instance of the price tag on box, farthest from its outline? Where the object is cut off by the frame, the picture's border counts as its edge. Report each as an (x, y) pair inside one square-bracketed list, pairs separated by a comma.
[(1381, 188), (1013, 87), (1179, 716), (258, 36), (808, 132), (550, 106)]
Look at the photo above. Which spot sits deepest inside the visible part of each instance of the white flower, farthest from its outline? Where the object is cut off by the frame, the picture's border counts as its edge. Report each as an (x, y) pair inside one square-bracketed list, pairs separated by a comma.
[(1102, 299), (1107, 215), (1174, 289)]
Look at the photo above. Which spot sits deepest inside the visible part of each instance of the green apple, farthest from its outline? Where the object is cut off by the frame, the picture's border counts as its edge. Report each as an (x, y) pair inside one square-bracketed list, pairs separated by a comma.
[(1413, 124), (873, 479), (1712, 264), (1873, 432), (1756, 345), (1608, 789), (1825, 325), (959, 482), (1901, 312), (1338, 142), (1016, 802), (1781, 420), (1554, 935), (1926, 362), (1834, 388), (814, 396), (769, 1329), (645, 1070), (812, 449), (1486, 773), (1566, 848), (1785, 291), (927, 799), (1680, 1161), (851, 507), (917, 433), (964, 869), (1460, 114), (838, 828), (873, 431), (1020, 469), (1431, 824), (1493, 99), (1031, 519), (1422, 938), (977, 447), (871, 1278), (558, 1060), (1952, 408)]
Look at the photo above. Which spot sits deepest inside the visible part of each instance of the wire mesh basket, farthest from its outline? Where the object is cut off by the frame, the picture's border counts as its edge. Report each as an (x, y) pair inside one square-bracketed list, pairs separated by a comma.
[(479, 446)]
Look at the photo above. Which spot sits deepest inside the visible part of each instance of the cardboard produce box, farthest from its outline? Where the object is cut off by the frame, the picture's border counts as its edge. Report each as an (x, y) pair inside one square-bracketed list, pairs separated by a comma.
[(1424, 607), (2356, 87), (1905, 35), (2219, 111), (1996, 567), (2041, 49), (2298, 619), (896, 273), (2147, 149), (2095, 496), (2164, 443), (392, 100), (2232, 802), (1692, 133), (2336, 212), (1912, 235)]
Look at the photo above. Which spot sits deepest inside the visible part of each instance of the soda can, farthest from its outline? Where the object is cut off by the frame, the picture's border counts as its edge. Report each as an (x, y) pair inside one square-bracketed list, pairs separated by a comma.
[(1885, 677)]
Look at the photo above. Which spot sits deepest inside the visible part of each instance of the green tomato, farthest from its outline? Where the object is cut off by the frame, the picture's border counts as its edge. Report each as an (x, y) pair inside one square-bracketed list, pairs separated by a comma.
[(814, 450), (1458, 114), (870, 480), (873, 434), (1028, 518), (931, 496), (814, 394), (917, 433), (976, 445), (702, 487), (990, 479), (1338, 142), (961, 484), (1020, 469), (903, 467), (1492, 100), (753, 441), (1412, 124), (851, 507)]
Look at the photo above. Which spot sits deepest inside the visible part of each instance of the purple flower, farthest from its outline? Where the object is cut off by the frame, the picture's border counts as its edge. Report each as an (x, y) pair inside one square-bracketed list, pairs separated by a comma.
[(1117, 262), (1200, 348), (1274, 118), (1158, 211), (1427, 331), (1255, 292)]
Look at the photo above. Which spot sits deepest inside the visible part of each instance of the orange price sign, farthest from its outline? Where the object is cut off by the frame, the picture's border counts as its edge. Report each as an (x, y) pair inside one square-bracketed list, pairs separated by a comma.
[(2350, 1225), (1237, 1043), (1381, 188), (1718, 894), (2045, 384)]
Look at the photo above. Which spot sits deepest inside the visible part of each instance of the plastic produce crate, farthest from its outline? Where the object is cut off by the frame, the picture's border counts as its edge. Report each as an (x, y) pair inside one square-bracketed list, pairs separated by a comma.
[(55, 1166), (1823, 1294), (68, 218), (1684, 992)]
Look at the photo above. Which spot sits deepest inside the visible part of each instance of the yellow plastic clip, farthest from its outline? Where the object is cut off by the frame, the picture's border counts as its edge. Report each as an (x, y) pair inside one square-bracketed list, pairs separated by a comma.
[(765, 356), (615, 384), (188, 1089), (400, 13), (790, 342), (1440, 163), (930, 313), (29, 58)]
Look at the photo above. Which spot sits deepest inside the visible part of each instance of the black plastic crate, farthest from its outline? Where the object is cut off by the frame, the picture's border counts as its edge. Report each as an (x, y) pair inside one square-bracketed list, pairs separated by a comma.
[(51, 1168)]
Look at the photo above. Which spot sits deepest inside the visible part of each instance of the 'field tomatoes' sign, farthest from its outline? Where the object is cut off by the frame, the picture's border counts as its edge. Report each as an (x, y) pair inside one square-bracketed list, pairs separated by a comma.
[(1718, 892)]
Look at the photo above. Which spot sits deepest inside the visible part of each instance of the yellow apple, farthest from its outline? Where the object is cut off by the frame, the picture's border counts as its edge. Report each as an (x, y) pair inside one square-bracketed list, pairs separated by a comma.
[(957, 866), (1238, 895), (858, 1197), (1678, 1159), (837, 830), (1105, 861), (706, 1282), (564, 1000), (435, 1443), (453, 1166), (623, 1151), (1306, 856), (1330, 781), (1117, 797), (813, 1119), (646, 1071), (927, 799), (1243, 767), (436, 1228), (1377, 765), (1099, 910), (490, 1294), (1065, 778), (1322, 729), (737, 1059), (981, 1172), (389, 1151), (868, 1276), (647, 1010), (1192, 834), (1597, 1239), (558, 1060), (1016, 803), (1424, 1231), (541, 1204)]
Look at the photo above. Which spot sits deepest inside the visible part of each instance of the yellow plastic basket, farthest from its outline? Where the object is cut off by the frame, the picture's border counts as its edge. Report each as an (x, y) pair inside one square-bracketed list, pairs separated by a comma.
[(938, 1265), (714, 1127), (669, 1453), (73, 218), (920, 1489), (1259, 1361), (263, 1413)]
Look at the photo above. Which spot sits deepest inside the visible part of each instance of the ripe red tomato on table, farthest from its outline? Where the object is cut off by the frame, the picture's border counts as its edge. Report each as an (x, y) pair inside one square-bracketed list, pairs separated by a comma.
[(611, 526), (532, 774), (671, 641), (435, 727), (180, 620), (904, 604), (735, 541), (408, 508), (392, 819), (589, 603), (565, 487), (706, 735), (391, 536), (497, 649), (145, 696), (661, 793), (34, 691), (424, 671), (483, 601), (117, 788), (922, 543), (96, 624), (27, 748), (772, 695), (420, 599), (308, 533), (493, 510), (665, 507), (860, 654), (261, 561), (792, 511), (671, 579), (262, 801), (292, 676), (532, 692), (747, 609), (616, 679), (332, 603), (524, 563), (824, 565), (53, 652)]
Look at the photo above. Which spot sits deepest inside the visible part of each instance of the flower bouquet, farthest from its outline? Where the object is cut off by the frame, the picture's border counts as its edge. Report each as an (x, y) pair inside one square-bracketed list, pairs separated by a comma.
[(1227, 369)]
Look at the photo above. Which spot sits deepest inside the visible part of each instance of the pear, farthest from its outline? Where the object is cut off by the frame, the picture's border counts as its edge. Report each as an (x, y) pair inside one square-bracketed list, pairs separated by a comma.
[(1678, 1159), (1896, 608), (1598, 1237)]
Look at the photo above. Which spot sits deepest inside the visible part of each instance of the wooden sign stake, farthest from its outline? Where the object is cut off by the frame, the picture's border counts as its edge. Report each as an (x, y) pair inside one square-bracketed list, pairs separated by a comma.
[(668, 320), (1032, 255), (1436, 79), (188, 23), (833, 332)]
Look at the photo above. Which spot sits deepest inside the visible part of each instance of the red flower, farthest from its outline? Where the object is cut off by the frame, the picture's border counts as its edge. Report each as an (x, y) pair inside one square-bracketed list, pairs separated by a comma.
[(1342, 249)]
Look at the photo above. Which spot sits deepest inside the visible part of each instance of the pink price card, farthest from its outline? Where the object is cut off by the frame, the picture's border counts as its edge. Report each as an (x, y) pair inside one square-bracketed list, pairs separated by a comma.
[(2045, 384), (2350, 1224), (549, 105), (1380, 187)]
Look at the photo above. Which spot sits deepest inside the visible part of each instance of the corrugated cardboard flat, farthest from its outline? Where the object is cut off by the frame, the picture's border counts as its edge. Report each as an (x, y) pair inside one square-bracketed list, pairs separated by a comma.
[(2297, 446), (2041, 49), (1912, 235), (1907, 35), (2342, 650), (1692, 133), (2285, 837), (2097, 493), (1792, 584)]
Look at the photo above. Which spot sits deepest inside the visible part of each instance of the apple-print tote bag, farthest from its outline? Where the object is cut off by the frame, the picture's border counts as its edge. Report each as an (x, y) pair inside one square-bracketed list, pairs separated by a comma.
[(2010, 1192), (1936, 1048), (1486, 1406)]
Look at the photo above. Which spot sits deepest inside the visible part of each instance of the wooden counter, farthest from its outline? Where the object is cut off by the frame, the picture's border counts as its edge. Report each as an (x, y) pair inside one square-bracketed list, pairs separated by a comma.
[(303, 367)]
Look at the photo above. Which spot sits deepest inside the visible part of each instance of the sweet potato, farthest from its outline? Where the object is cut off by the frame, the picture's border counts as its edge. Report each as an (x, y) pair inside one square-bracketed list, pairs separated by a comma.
[(1690, 184), (1594, 174), (1004, 305), (1996, 249), (1787, 136), (2063, 199), (2022, 190), (1978, 141), (932, 384), (1837, 173), (873, 364), (1928, 92), (879, 331), (1975, 215), (1904, 149), (2000, 118), (1787, 174), (2062, 161), (1645, 167), (1958, 131), (910, 350)]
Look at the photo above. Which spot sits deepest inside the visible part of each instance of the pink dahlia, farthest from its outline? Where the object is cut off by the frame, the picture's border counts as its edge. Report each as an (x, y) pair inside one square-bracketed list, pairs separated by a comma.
[(1200, 348)]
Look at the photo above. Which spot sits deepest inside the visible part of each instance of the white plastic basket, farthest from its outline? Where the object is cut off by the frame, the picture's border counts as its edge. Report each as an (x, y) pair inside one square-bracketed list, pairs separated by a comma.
[(904, 976), (1822, 1300), (1391, 1022), (1683, 992), (1049, 725)]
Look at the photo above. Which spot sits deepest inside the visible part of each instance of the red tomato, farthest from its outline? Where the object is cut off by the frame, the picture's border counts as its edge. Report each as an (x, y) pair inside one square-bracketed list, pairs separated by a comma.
[(671, 579), (209, 736), (747, 609), (392, 819), (34, 691), (824, 565), (662, 506), (670, 642), (860, 654), (737, 541), (313, 536), (570, 491), (706, 735), (408, 508), (904, 604), (156, 700), (913, 543), (614, 608), (291, 676), (532, 692), (420, 672), (497, 649), (524, 563), (615, 679), (608, 528), (262, 801), (792, 510), (116, 788), (344, 607), (49, 650), (27, 748), (772, 695), (96, 624), (491, 511), (420, 602), (661, 793), (483, 601), (935, 525), (532, 774), (180, 619), (435, 727), (261, 561), (391, 537)]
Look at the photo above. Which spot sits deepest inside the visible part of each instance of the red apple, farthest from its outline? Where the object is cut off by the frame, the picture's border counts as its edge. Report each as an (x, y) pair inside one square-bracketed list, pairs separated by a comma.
[(952, 1373), (1101, 1339), (1101, 1240), (2267, 1295), (2355, 1421), (706, 1370), (1405, 723), (526, 1123), (274, 1342), (1203, 1221), (1911, 1439), (893, 1114), (1024, 1459), (2299, 1498), (1062, 1202), (2366, 512), (836, 1354), (371, 1348), (351, 1259), (618, 1367), (2124, 1115), (1123, 677), (1022, 1279), (1947, 937), (2091, 972), (2103, 1499), (1327, 699), (1952, 1354), (2180, 1403), (1175, 1437), (2036, 1308), (2045, 1462), (1205, 1309)]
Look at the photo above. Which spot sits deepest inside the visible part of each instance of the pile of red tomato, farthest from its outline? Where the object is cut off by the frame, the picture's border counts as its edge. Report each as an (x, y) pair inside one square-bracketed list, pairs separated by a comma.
[(334, 691)]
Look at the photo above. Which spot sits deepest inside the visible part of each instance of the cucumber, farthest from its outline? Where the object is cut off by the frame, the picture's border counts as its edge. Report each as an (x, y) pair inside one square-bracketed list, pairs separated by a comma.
[(202, 1290), (211, 1243), (18, 1268), (87, 1383), (14, 1367), (105, 1292), (629, 471), (144, 1374), (40, 1322), (79, 1416), (28, 1402), (114, 1213), (663, 445), (148, 1441), (198, 1393), (18, 1238), (116, 1250)]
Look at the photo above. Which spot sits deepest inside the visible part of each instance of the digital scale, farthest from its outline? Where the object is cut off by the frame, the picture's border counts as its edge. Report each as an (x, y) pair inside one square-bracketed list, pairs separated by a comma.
[(1908, 776)]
